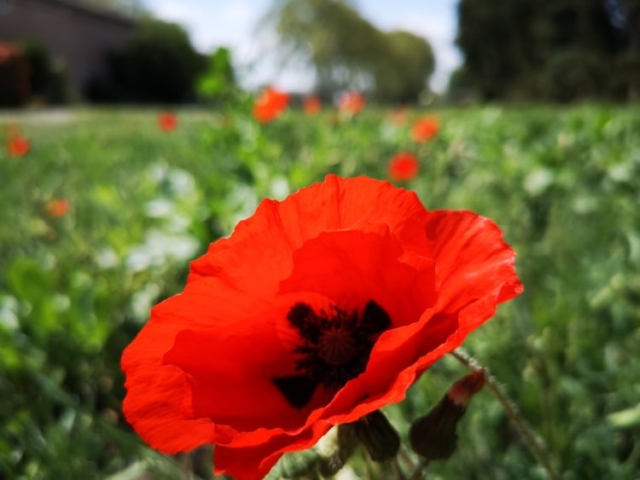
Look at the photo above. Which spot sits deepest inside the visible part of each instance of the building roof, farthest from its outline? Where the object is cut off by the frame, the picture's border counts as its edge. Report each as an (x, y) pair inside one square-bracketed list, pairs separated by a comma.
[(92, 8)]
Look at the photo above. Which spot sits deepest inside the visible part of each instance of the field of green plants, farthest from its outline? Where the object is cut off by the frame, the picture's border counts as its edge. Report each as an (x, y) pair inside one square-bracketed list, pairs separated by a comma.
[(76, 287)]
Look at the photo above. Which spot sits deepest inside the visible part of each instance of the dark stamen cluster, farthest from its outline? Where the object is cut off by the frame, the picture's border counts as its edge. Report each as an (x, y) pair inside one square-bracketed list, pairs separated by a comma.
[(335, 346)]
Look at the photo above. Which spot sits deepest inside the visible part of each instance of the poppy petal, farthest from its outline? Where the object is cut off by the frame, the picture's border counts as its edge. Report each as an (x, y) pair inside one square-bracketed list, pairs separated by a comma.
[(353, 267), (472, 259), (462, 243), (254, 462), (259, 253), (160, 400), (243, 364)]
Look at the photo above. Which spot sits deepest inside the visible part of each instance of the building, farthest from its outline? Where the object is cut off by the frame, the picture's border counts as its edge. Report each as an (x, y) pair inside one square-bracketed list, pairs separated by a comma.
[(75, 32)]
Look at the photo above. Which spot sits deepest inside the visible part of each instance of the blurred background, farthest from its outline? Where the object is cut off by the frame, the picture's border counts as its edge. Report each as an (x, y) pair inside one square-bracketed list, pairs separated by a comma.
[(134, 133), (105, 51)]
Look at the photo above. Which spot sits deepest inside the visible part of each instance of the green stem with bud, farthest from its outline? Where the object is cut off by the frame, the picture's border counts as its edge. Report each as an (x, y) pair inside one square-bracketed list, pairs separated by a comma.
[(418, 473), (397, 469), (406, 458), (530, 438)]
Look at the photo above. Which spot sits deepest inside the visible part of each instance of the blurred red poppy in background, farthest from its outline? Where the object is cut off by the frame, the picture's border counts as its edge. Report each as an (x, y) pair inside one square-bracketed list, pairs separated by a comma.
[(351, 102), (167, 121), (270, 104), (312, 105), (403, 166), (57, 207), (18, 146), (316, 311), (425, 128)]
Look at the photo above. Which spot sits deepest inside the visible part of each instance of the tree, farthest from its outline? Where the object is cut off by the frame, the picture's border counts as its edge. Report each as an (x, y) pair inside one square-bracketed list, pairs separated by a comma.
[(157, 64), (626, 15), (578, 45), (347, 51), (543, 49), (402, 73), (496, 39), (218, 80)]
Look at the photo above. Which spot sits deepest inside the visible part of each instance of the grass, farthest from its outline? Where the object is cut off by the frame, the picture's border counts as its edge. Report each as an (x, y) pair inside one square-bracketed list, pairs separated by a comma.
[(74, 290)]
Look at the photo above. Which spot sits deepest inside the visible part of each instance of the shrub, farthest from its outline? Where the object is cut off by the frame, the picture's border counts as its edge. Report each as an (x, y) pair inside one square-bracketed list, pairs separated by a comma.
[(574, 74), (218, 79), (14, 75), (40, 61), (157, 64)]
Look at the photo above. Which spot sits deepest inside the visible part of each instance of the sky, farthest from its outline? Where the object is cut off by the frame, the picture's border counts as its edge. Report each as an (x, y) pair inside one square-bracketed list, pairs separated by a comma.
[(235, 24)]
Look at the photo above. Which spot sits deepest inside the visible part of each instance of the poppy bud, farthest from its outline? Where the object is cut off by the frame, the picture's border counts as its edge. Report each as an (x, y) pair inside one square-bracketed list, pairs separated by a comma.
[(378, 436), (434, 436)]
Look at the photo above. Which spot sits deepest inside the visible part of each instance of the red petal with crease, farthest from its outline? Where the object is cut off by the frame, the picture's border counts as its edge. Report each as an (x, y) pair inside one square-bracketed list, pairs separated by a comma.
[(472, 259)]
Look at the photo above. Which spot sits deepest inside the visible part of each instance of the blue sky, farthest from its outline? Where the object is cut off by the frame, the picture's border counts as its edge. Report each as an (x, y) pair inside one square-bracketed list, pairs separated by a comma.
[(233, 23)]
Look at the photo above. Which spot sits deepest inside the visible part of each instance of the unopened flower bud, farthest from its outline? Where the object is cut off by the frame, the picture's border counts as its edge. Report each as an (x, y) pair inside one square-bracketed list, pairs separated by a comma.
[(434, 436), (378, 436), (461, 392)]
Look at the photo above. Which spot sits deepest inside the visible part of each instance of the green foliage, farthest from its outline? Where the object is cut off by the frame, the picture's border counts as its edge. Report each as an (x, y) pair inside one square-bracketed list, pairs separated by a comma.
[(218, 80), (401, 75), (347, 51), (41, 68), (75, 290), (496, 41), (575, 74), (14, 75), (559, 50), (158, 64), (49, 80)]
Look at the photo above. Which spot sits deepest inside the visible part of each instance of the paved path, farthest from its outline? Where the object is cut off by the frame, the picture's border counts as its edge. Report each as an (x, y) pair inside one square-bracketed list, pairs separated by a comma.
[(49, 115)]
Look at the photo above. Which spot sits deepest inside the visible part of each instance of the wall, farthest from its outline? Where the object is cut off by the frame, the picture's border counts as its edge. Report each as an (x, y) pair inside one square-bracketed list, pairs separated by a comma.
[(79, 36)]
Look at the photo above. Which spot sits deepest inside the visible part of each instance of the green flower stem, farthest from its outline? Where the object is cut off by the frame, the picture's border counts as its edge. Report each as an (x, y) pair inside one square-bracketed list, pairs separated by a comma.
[(530, 437), (419, 473), (406, 458), (397, 469)]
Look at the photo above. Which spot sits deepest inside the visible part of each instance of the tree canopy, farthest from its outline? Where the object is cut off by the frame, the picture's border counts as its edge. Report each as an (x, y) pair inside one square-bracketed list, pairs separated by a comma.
[(347, 51), (156, 64), (549, 49)]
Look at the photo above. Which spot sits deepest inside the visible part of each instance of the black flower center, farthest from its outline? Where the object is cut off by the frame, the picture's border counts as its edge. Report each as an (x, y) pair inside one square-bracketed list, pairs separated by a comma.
[(334, 348)]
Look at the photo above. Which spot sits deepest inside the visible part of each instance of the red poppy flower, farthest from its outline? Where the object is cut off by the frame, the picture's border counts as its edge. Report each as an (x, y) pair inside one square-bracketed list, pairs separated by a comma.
[(18, 146), (316, 311), (351, 103), (270, 104), (57, 207), (312, 105), (403, 166), (167, 121), (425, 128)]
